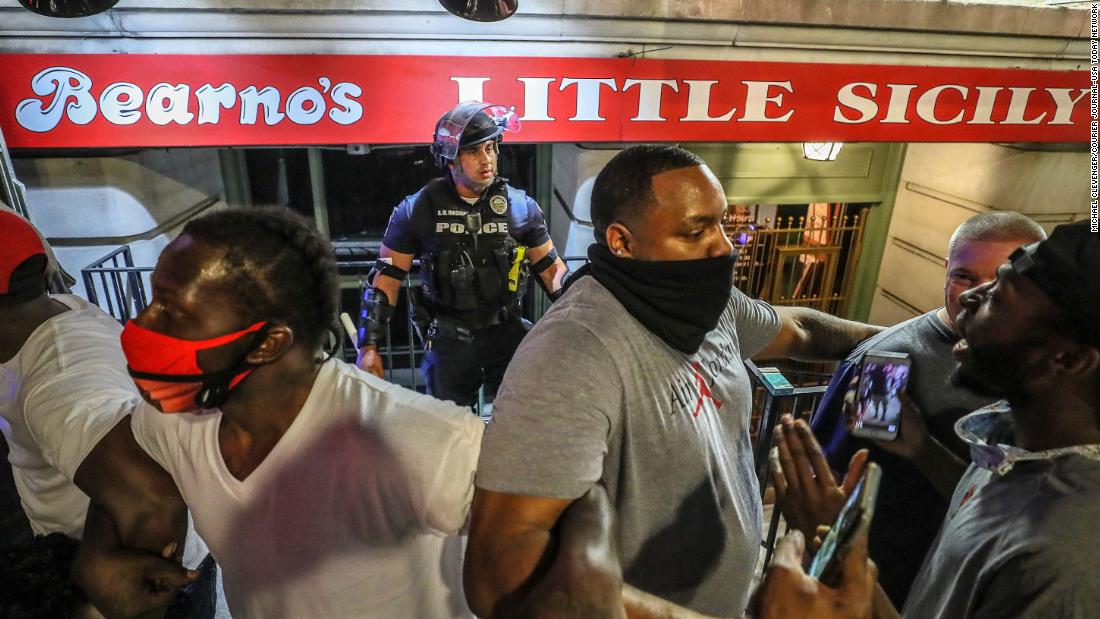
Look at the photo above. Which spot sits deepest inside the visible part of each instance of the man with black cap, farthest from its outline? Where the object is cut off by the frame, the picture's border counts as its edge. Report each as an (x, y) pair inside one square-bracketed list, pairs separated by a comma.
[(1020, 533), (478, 238), (65, 400), (909, 497)]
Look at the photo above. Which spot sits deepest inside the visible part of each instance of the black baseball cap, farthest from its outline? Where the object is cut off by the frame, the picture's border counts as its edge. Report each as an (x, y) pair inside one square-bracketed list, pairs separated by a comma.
[(1067, 267)]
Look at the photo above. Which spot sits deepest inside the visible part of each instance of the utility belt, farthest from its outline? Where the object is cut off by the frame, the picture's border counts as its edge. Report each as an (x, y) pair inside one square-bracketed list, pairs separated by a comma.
[(466, 327)]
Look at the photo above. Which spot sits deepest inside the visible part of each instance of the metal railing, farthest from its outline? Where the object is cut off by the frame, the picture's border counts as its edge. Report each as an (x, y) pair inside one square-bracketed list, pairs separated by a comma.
[(121, 285), (410, 349), (807, 261), (773, 402)]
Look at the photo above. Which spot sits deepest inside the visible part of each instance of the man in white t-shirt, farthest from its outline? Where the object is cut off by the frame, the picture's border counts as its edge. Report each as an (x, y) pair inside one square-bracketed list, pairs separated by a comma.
[(351, 514), (322, 491), (65, 401), (64, 389)]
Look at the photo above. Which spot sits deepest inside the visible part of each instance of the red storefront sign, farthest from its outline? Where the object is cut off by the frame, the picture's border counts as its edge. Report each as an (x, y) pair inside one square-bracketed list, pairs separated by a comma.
[(67, 101)]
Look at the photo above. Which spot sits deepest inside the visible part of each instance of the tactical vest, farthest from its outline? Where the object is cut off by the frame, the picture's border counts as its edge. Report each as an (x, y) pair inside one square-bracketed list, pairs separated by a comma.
[(476, 268)]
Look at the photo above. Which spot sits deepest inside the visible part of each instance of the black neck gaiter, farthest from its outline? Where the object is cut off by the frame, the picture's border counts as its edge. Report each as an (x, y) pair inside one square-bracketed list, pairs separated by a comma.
[(679, 301)]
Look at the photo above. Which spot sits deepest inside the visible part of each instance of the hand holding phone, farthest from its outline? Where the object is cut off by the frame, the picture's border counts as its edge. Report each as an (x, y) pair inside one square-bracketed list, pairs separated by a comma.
[(883, 376), (787, 591), (853, 519)]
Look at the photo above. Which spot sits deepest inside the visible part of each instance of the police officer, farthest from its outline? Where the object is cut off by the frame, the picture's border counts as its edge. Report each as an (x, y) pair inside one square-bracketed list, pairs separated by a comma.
[(478, 238)]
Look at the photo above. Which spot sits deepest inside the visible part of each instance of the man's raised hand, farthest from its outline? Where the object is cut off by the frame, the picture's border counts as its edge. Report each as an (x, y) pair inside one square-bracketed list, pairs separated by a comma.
[(805, 488)]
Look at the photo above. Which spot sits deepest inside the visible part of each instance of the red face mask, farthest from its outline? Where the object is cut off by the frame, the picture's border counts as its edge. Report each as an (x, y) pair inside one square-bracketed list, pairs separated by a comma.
[(166, 369)]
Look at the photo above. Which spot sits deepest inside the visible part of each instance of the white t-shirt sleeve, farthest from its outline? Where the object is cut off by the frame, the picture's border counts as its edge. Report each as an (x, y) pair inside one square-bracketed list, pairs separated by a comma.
[(157, 433), (69, 414), (438, 444)]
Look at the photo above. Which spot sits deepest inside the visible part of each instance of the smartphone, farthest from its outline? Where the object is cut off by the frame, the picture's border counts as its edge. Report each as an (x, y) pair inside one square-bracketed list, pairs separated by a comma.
[(854, 518), (882, 377), (779, 383)]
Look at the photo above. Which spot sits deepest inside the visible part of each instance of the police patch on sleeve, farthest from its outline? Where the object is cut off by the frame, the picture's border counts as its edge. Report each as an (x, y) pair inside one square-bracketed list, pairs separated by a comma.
[(499, 204)]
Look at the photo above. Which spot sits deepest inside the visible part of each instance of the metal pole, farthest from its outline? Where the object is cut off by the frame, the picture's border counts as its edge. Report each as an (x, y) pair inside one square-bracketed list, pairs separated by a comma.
[(773, 531), (407, 283), (14, 193), (317, 189)]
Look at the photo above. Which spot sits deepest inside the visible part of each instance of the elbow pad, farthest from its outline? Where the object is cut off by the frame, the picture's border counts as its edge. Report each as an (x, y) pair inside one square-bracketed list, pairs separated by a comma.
[(544, 263), (374, 317), (385, 266)]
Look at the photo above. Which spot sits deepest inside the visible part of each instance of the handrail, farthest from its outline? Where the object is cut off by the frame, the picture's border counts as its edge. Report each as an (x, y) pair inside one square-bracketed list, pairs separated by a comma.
[(568, 209), (769, 416), (122, 284), (15, 191), (169, 224)]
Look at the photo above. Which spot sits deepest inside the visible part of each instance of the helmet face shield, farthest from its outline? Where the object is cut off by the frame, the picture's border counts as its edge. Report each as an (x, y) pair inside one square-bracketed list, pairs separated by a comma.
[(488, 119)]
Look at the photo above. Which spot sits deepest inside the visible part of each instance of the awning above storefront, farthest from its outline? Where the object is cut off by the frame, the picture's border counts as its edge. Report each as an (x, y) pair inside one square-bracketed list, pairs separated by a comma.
[(84, 101)]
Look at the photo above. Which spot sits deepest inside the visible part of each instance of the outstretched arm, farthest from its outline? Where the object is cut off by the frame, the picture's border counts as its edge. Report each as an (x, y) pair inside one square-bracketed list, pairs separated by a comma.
[(914, 443), (810, 335)]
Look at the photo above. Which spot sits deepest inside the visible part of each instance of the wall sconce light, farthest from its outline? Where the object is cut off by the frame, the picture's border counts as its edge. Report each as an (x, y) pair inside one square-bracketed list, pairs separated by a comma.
[(481, 10), (67, 8), (821, 151)]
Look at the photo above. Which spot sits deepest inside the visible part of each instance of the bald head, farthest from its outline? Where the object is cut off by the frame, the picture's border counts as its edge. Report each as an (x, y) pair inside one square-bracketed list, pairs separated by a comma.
[(979, 246), (998, 226)]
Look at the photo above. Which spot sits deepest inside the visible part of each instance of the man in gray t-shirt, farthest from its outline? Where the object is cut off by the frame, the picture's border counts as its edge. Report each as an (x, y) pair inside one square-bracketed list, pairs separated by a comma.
[(666, 433), (634, 379), (1018, 540), (906, 498), (1019, 534)]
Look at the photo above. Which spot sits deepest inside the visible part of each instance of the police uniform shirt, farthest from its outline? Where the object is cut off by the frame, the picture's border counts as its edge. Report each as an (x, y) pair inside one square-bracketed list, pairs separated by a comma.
[(417, 224)]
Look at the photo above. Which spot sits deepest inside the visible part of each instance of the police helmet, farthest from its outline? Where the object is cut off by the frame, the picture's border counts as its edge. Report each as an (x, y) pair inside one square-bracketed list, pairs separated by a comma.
[(467, 124)]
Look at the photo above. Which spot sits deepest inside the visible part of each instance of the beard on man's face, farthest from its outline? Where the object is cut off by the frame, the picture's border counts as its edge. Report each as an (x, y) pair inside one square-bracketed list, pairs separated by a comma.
[(996, 371)]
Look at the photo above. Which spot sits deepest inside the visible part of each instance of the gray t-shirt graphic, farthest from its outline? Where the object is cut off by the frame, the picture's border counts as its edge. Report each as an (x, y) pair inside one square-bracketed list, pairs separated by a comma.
[(592, 395)]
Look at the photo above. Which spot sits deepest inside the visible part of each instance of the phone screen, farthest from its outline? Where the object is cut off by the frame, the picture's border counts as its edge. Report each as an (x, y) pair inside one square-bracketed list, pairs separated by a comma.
[(878, 410), (857, 511)]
